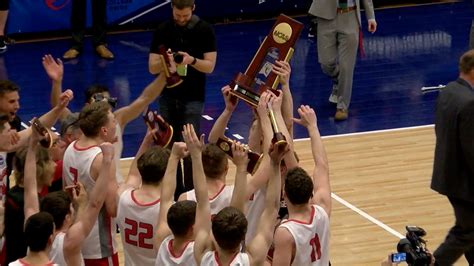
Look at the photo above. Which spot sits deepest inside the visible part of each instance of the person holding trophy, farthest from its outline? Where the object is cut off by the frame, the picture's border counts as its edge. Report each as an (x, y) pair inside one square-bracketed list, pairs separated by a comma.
[(193, 43)]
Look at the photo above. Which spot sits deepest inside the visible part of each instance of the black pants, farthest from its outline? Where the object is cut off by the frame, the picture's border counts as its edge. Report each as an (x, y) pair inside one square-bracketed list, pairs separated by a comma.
[(460, 238), (178, 113), (78, 22)]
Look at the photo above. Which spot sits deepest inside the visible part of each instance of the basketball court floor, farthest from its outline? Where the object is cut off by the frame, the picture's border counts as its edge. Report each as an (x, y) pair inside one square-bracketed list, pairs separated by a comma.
[(380, 158)]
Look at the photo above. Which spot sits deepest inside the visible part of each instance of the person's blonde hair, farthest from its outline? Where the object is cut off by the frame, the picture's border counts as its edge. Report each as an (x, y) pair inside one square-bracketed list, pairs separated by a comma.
[(42, 160)]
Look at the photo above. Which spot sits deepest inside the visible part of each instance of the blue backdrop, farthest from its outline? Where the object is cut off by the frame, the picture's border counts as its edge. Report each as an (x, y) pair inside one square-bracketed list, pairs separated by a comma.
[(29, 16)]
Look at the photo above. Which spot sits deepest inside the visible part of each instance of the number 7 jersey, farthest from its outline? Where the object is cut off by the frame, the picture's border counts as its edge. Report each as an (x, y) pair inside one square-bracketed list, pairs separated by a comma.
[(311, 238), (138, 224)]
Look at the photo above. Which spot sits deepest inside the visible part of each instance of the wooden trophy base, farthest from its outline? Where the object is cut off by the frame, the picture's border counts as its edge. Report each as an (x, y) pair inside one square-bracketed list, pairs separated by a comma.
[(225, 144), (164, 133), (47, 142)]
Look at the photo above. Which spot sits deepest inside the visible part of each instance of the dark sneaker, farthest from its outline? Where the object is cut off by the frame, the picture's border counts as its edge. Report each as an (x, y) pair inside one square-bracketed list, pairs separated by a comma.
[(8, 40)]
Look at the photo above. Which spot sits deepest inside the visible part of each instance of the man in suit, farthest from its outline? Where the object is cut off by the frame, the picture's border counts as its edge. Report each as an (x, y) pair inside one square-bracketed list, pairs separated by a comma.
[(339, 24), (453, 171)]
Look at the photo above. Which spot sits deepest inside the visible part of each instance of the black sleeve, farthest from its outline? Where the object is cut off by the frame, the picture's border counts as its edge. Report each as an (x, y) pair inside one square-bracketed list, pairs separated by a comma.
[(209, 39), (156, 41), (466, 127)]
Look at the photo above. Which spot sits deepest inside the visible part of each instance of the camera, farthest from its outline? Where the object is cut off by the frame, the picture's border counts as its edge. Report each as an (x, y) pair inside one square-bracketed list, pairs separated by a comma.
[(98, 97), (415, 247), (178, 58)]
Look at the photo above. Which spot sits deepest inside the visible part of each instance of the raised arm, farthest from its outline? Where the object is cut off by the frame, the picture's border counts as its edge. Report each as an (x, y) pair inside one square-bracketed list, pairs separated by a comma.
[(240, 159), (55, 70), (127, 113), (322, 188), (31, 190), (259, 246), (203, 211), (168, 187), (81, 228), (134, 178), (283, 70), (218, 129)]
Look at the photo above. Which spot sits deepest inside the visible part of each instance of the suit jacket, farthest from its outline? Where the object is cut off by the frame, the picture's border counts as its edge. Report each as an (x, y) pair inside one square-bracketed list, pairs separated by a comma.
[(326, 9), (453, 169)]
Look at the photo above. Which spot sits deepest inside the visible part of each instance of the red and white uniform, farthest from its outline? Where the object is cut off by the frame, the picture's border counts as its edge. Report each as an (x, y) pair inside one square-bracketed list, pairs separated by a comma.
[(3, 177), (76, 167), (311, 238), (255, 207), (167, 257), (138, 224), (211, 258), (217, 202), (56, 254), (21, 262)]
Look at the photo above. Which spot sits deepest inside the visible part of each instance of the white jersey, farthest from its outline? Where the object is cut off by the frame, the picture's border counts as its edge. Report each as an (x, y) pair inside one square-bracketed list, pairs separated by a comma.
[(118, 147), (138, 224), (56, 254), (21, 262), (3, 176), (167, 257), (217, 202), (255, 206), (311, 238), (100, 243), (211, 258)]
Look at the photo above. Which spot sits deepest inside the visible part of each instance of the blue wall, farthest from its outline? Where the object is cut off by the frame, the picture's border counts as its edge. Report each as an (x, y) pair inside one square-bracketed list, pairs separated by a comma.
[(29, 16)]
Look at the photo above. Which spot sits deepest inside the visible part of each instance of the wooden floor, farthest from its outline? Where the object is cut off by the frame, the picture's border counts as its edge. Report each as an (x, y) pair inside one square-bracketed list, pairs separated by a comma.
[(384, 175)]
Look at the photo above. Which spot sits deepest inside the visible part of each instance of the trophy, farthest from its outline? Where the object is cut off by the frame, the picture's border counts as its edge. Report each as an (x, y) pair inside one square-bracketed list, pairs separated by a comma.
[(225, 145), (172, 79), (258, 77), (164, 132), (47, 141), (278, 139)]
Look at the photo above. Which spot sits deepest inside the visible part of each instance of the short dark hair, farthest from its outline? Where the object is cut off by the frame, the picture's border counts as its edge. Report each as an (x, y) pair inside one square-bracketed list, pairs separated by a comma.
[(298, 186), (181, 216), (152, 164), (58, 204), (38, 229), (229, 227), (466, 62), (92, 117), (182, 4), (94, 89), (7, 86), (214, 161)]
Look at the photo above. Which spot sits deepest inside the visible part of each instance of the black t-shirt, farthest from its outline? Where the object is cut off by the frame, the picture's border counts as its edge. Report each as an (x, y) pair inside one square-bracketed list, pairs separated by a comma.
[(195, 40), (15, 243), (15, 124)]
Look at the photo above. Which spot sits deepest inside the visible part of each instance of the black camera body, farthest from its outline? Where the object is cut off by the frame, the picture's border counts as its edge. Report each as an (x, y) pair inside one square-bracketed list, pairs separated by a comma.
[(98, 97), (178, 58), (415, 247)]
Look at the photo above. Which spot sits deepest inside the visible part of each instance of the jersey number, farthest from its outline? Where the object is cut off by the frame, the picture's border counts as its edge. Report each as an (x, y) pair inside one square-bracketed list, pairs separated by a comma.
[(74, 174), (131, 233), (315, 248)]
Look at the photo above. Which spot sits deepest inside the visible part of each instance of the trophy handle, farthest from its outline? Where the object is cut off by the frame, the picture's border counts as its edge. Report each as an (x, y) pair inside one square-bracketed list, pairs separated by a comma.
[(47, 142)]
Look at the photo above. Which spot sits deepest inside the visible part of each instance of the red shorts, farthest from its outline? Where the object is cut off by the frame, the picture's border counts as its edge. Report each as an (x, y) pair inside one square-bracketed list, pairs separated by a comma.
[(108, 261)]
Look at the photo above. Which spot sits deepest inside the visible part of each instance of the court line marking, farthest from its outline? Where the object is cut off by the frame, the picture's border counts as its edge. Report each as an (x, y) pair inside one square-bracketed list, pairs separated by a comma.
[(145, 12), (367, 216)]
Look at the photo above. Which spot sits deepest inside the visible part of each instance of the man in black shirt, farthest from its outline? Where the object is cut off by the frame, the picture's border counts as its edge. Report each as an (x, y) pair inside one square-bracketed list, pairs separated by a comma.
[(194, 39), (9, 104)]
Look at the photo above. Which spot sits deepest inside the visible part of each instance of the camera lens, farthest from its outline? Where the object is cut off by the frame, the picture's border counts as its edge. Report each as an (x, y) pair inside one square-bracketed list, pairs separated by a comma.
[(178, 58)]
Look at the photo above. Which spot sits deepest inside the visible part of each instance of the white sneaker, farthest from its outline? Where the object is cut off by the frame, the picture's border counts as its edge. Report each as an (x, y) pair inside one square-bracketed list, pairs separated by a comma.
[(333, 98)]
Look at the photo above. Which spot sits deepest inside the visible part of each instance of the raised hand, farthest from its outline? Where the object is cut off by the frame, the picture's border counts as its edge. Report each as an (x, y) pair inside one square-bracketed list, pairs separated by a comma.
[(79, 194), (276, 101), (108, 151), (65, 98), (307, 117), (283, 70), (180, 150), (239, 155), (54, 68), (277, 152), (194, 144), (262, 107), (230, 100)]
